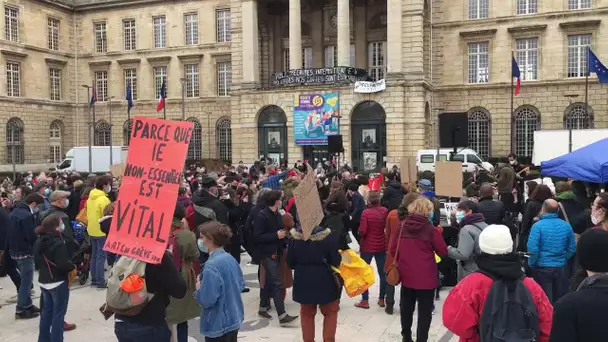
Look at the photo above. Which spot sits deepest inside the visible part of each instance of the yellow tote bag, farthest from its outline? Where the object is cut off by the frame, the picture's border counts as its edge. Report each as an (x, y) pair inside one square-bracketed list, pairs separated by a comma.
[(358, 276)]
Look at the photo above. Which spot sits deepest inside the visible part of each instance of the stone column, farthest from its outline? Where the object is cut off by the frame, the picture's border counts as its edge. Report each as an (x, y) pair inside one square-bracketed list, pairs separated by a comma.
[(277, 44), (344, 32), (251, 52), (295, 35), (318, 51), (394, 31), (360, 22)]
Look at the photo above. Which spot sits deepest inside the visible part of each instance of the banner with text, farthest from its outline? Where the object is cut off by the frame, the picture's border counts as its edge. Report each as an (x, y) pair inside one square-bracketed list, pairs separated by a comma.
[(369, 87), (315, 116), (152, 174)]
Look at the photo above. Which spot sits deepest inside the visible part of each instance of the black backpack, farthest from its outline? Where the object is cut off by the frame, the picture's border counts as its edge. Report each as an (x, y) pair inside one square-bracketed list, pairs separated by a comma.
[(509, 313)]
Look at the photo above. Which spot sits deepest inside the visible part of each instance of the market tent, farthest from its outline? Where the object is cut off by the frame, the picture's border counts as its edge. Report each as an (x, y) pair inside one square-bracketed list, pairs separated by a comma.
[(589, 164)]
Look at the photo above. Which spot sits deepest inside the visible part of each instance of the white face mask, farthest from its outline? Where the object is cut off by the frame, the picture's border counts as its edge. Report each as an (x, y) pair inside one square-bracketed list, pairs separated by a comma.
[(597, 217), (513, 162)]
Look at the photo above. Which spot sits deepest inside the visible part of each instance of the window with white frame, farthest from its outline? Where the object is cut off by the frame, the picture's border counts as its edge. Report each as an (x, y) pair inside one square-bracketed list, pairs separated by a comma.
[(577, 54), (101, 37), (478, 62), (11, 24), (527, 7), (160, 77), (377, 60), (101, 85), (579, 4), (479, 132), (526, 53), (223, 138), (129, 34), (478, 9), (331, 56), (195, 148), (13, 79), (224, 78), (192, 85), (191, 28), (55, 84), (55, 142), (14, 141), (577, 117), (131, 80), (53, 33), (224, 26), (103, 133), (160, 31)]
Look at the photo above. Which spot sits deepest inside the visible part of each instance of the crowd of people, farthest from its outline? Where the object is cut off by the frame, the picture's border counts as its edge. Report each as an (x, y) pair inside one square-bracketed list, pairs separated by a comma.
[(550, 265)]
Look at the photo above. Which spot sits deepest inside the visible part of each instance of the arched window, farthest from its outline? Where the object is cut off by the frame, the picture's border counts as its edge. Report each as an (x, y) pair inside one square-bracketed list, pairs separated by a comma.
[(527, 120), (195, 149), (55, 142), (576, 117), (223, 137), (479, 131), (126, 132), (14, 141), (103, 133), (272, 134), (368, 132)]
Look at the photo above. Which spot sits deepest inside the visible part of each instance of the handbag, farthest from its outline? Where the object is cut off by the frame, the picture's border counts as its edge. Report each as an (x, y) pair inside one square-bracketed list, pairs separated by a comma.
[(561, 207), (392, 273), (82, 216)]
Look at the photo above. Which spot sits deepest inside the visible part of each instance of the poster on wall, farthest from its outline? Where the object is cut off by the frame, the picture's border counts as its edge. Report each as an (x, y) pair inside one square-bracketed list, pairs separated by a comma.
[(368, 137), (315, 116), (370, 161), (274, 140)]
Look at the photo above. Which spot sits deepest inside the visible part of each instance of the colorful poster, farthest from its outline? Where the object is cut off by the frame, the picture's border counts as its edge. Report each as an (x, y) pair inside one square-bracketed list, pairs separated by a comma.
[(315, 116), (148, 192)]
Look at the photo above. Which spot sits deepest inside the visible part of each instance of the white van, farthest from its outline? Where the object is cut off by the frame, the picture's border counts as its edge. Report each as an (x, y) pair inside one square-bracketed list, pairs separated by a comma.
[(425, 159)]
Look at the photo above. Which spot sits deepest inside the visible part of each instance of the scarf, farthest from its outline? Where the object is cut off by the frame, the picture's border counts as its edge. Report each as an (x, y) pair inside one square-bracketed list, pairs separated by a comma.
[(472, 219), (506, 267)]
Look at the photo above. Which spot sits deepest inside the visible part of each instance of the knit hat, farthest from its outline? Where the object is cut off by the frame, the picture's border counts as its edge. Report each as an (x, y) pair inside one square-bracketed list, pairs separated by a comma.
[(496, 239), (425, 185), (58, 194), (592, 250)]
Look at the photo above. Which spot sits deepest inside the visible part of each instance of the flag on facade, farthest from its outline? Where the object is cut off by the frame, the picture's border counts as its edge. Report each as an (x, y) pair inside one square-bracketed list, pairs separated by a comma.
[(597, 67), (93, 97), (129, 97), (161, 99), (515, 73)]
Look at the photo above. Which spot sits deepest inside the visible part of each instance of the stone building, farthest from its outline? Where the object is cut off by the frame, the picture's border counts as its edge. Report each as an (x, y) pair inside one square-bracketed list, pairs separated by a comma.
[(225, 56)]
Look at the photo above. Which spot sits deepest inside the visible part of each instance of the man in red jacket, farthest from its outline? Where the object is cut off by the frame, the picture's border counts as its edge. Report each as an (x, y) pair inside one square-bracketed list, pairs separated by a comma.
[(463, 307)]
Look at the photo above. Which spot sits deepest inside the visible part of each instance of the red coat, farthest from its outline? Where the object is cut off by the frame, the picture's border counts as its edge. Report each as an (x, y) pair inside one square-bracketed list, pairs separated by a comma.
[(371, 229), (463, 307)]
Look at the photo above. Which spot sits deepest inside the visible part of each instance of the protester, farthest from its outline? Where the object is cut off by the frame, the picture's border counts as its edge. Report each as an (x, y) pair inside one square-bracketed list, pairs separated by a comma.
[(471, 223), (336, 218), (394, 192), (531, 211), (426, 189), (74, 199), (44, 191), (105, 223), (59, 203), (7, 264), (505, 185), (357, 205), (96, 203), (363, 189), (493, 211)]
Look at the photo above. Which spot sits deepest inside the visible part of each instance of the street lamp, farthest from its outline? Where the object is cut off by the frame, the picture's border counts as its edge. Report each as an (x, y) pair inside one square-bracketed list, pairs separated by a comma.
[(183, 81), (89, 127), (110, 121), (571, 98)]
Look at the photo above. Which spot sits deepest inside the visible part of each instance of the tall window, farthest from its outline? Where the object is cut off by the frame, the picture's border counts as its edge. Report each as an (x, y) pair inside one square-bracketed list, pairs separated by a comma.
[(101, 37), (526, 52), (223, 137), (14, 141), (13, 79), (577, 117), (53, 28), (195, 148), (191, 28), (224, 27), (527, 121), (527, 6), (377, 60), (478, 62), (224, 78), (103, 133), (101, 85), (55, 142), (129, 34), (479, 132), (160, 31), (307, 58), (11, 24), (579, 4), (577, 54), (131, 80), (55, 83), (160, 76), (191, 71), (331, 56), (126, 132), (478, 9)]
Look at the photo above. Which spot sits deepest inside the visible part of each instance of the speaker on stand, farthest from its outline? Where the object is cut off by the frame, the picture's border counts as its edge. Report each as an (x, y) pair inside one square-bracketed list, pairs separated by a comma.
[(454, 130)]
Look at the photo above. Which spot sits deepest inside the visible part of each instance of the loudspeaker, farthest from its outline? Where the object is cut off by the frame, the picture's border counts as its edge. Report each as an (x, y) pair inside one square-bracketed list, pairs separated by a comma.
[(453, 130), (334, 144)]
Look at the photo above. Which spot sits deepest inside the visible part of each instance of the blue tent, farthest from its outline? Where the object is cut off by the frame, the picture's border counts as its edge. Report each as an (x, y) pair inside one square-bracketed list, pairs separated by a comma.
[(589, 164)]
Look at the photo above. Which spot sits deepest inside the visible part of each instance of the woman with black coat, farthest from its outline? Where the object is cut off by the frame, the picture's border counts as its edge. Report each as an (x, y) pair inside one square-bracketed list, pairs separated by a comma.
[(336, 218), (531, 211)]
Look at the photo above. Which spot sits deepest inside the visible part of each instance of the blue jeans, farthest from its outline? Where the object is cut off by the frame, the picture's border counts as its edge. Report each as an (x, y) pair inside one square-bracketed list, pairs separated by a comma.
[(26, 270), (182, 332), (553, 281), (53, 312), (133, 332), (273, 287), (380, 260), (98, 261)]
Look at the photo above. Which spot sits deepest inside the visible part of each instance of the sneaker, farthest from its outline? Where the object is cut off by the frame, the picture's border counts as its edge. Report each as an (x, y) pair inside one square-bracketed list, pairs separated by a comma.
[(34, 309), (246, 290), (381, 303), (288, 319), (68, 326), (26, 315), (264, 314), (101, 286), (388, 310), (362, 304)]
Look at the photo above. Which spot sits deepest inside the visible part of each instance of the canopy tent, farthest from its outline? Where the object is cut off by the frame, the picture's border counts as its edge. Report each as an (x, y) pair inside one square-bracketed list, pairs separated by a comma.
[(588, 164)]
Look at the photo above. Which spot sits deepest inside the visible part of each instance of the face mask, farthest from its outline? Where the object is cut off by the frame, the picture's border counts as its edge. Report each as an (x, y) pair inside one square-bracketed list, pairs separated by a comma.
[(35, 210), (47, 192), (432, 216), (67, 203), (62, 228), (202, 246), (596, 219), (459, 216), (513, 162), (107, 189)]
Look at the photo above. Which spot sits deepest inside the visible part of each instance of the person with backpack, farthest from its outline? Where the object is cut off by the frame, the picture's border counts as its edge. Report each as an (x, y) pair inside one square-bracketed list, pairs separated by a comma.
[(498, 302), (471, 224), (207, 207)]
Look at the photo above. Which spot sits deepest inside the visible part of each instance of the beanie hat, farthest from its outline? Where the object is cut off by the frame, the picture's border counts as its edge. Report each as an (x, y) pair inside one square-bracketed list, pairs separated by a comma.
[(496, 239), (592, 250)]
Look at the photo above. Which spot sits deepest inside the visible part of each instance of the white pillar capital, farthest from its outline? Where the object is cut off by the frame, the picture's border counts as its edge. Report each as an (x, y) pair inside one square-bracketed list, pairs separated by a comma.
[(295, 35), (250, 46)]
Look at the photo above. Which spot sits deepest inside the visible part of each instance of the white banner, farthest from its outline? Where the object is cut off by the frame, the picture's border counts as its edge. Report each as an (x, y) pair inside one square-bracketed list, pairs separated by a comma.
[(369, 87)]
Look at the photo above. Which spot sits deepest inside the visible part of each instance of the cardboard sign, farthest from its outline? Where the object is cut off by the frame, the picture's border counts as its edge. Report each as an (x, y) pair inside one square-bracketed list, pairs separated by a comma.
[(308, 203), (117, 170), (212, 165), (448, 179), (148, 192), (409, 170), (448, 210)]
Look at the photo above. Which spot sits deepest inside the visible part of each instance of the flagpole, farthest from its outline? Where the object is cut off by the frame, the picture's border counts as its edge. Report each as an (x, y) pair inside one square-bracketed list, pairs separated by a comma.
[(165, 110), (587, 85), (511, 115)]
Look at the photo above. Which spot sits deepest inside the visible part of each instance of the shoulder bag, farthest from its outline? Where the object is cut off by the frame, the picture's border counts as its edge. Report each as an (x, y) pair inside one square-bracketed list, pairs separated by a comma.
[(392, 273)]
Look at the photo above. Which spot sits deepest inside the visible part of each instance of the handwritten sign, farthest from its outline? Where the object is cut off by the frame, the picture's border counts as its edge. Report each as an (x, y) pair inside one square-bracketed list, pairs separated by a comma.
[(308, 204), (117, 170), (449, 207), (148, 192), (448, 179), (317, 76)]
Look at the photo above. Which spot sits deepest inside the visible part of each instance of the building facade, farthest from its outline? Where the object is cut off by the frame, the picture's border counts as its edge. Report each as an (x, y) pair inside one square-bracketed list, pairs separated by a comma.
[(220, 56)]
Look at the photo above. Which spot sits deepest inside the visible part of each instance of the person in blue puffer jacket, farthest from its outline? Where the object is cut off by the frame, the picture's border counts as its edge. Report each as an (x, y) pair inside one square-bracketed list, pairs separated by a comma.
[(551, 244)]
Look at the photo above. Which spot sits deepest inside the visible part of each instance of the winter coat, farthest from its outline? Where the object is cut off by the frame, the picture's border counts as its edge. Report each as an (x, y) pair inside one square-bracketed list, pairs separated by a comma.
[(420, 241), (248, 232), (5, 223), (493, 211), (21, 233), (506, 179), (531, 210), (105, 223), (338, 223), (265, 229), (391, 231), (97, 202), (551, 242), (52, 259), (468, 245), (393, 195), (357, 205), (69, 231), (184, 201), (578, 214), (313, 281), (371, 229), (202, 198), (73, 207)]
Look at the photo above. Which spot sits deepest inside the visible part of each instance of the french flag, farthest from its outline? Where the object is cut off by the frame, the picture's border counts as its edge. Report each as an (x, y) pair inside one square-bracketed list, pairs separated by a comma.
[(161, 101), (516, 74)]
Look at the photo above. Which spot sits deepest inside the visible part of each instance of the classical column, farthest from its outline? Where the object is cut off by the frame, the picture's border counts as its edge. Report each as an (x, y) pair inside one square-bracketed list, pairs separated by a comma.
[(318, 51), (394, 31), (360, 22), (251, 51), (295, 35), (277, 43), (343, 33)]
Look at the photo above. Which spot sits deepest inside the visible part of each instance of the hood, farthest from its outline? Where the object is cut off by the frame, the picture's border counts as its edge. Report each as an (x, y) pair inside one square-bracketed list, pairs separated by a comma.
[(202, 198), (105, 218), (428, 194), (598, 281), (402, 213), (394, 184), (414, 224), (96, 193), (318, 234), (48, 242), (506, 267), (566, 195)]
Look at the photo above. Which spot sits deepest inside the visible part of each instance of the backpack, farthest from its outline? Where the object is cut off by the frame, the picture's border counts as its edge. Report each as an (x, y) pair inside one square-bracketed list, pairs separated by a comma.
[(127, 292), (82, 216), (202, 215), (509, 315)]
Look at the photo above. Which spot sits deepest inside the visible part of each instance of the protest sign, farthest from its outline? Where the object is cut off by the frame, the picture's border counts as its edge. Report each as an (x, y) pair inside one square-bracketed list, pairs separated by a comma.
[(448, 210), (308, 203), (408, 169), (148, 192), (117, 170), (448, 179)]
